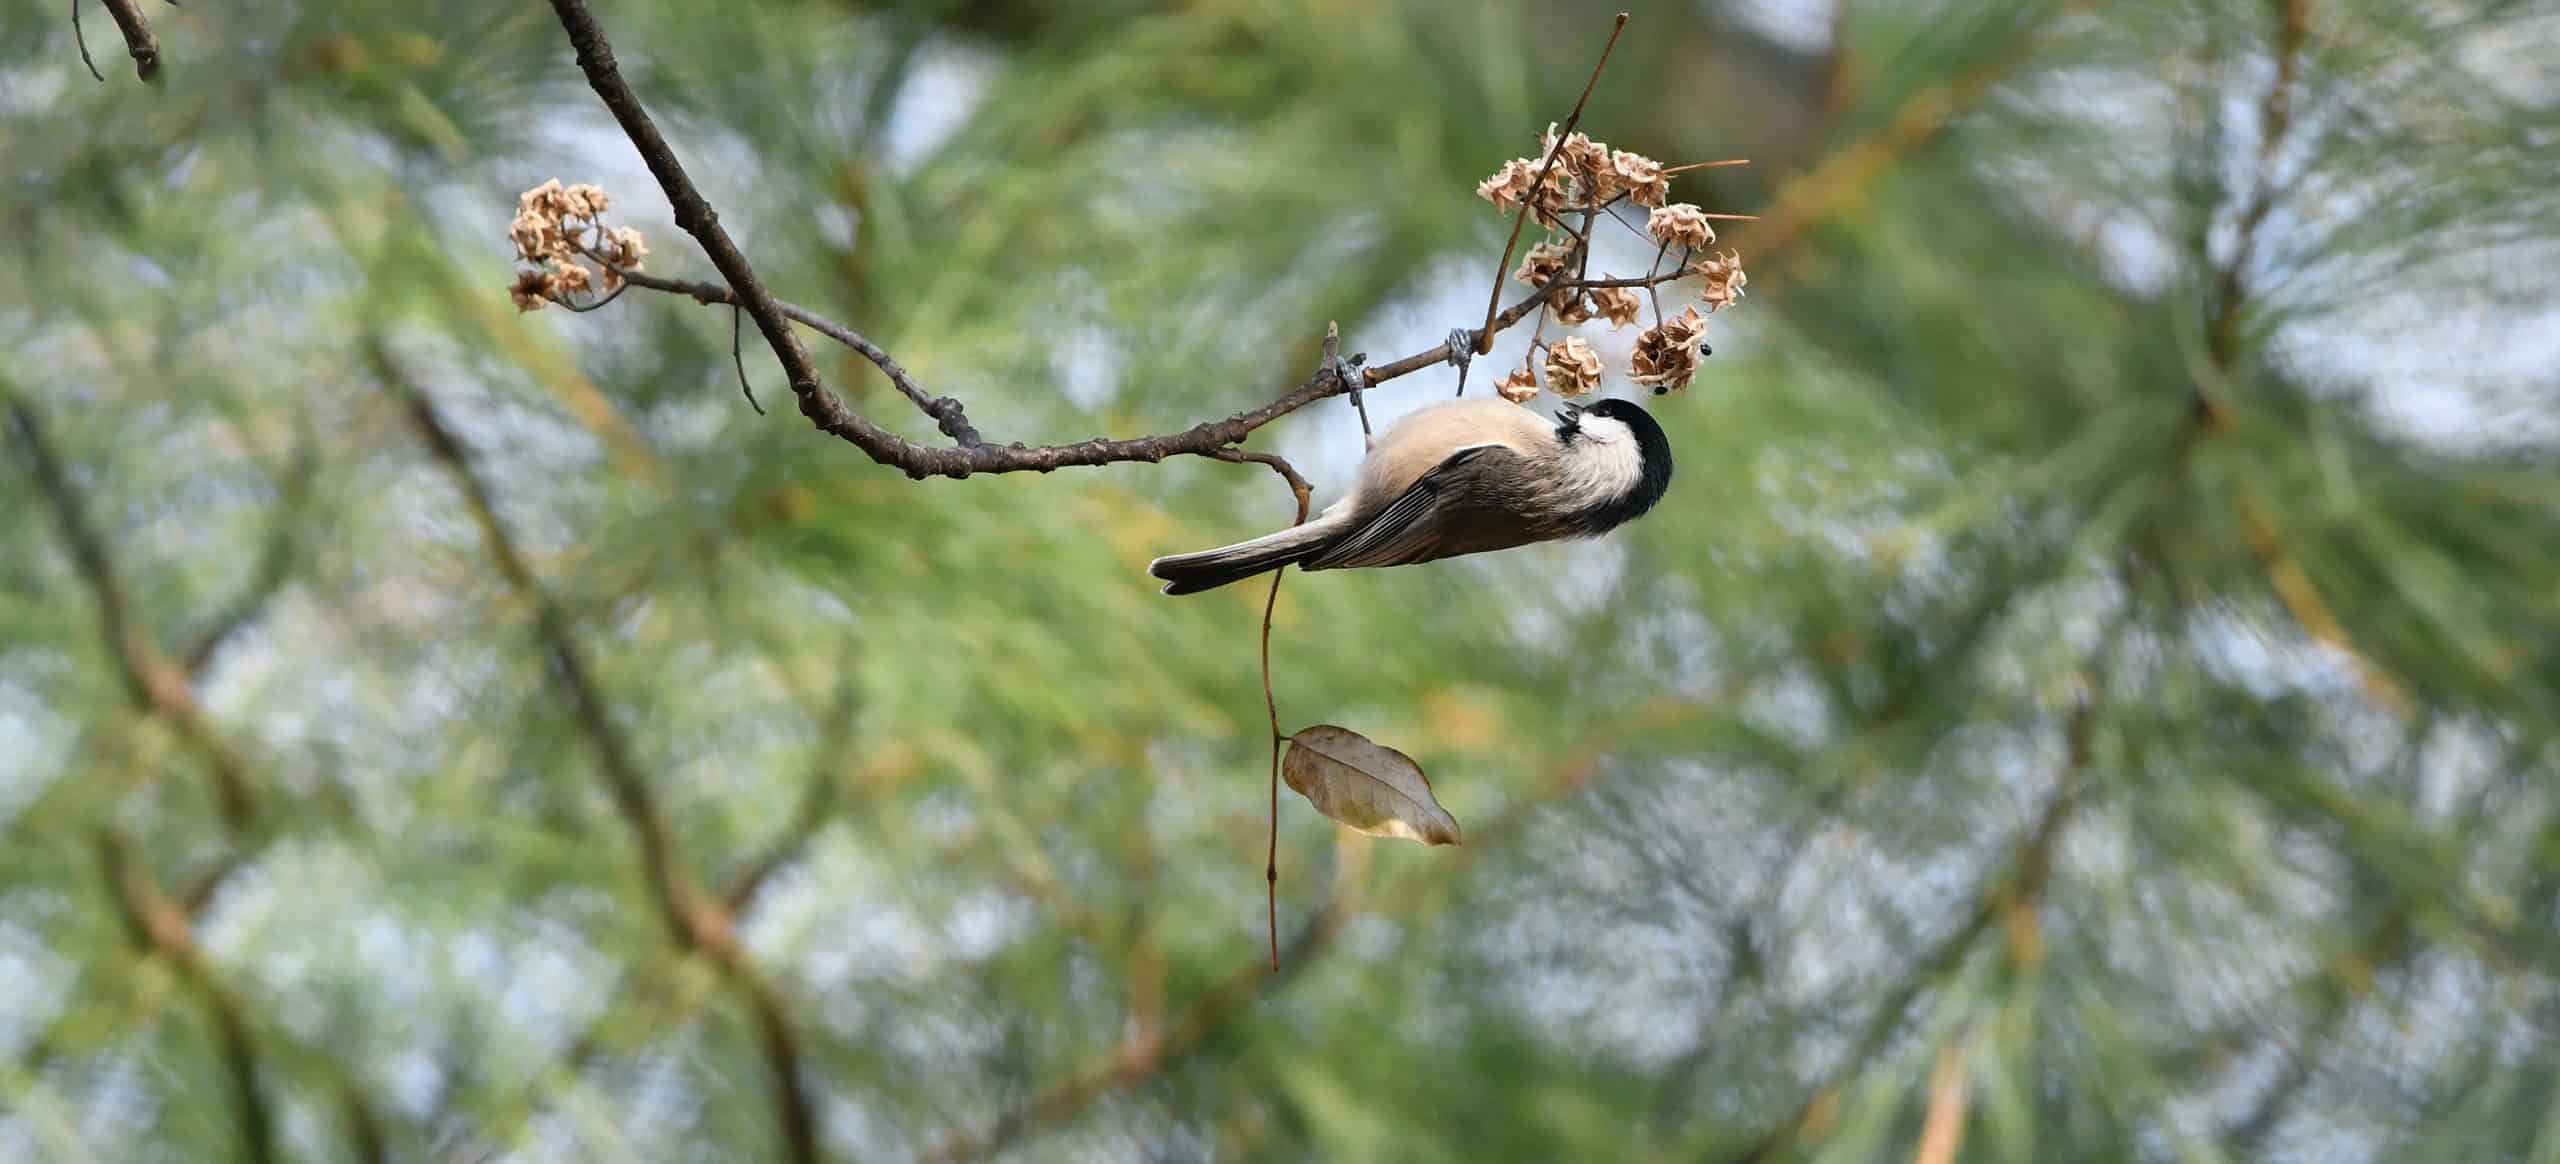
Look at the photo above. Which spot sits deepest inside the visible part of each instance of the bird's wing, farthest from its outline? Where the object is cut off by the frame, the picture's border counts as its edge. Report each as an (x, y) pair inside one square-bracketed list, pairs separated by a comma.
[(1434, 518)]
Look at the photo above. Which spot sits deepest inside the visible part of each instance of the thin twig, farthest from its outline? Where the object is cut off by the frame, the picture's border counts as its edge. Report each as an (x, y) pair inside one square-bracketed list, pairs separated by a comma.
[(81, 38), (1277, 464), (1271, 702), (1717, 165), (1194, 1033), (569, 305), (1502, 270), (1652, 290), (737, 356), (1271, 706)]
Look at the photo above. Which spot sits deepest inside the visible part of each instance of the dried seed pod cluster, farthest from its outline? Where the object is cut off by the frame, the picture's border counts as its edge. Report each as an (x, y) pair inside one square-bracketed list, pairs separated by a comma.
[(1583, 182), (558, 232)]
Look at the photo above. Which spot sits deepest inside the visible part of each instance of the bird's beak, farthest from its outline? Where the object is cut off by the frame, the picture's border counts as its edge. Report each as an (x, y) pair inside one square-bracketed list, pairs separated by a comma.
[(1569, 412)]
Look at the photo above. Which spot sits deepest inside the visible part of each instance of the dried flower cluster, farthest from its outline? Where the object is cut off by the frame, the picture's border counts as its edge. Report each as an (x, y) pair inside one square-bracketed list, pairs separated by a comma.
[(557, 232), (1573, 369), (1722, 279), (1588, 180), (1586, 175), (1680, 224), (1619, 305), (1542, 264), (1667, 353)]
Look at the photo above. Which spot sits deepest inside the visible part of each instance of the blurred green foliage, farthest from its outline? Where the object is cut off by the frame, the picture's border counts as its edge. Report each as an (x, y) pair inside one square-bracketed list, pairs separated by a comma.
[(2091, 686)]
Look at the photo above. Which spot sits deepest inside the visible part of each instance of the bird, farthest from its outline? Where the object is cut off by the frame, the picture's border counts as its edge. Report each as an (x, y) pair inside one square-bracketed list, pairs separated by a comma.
[(1463, 477)]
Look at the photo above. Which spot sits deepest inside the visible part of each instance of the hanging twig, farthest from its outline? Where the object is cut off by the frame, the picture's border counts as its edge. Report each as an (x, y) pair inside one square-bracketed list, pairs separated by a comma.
[(81, 38), (737, 356)]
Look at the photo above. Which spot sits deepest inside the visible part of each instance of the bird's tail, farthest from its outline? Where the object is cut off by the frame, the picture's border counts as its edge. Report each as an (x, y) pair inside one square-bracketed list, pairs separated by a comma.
[(1210, 569)]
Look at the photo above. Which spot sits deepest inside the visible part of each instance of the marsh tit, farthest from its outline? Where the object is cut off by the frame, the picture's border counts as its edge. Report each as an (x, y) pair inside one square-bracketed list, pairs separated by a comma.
[(1463, 477)]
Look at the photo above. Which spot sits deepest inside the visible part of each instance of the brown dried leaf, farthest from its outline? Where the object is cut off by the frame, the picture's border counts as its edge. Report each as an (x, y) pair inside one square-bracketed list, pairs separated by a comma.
[(1366, 785)]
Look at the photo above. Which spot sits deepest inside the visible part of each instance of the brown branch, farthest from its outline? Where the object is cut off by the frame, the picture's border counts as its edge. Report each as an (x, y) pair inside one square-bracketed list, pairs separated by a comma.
[(696, 217), (157, 685), (161, 926), (1212, 439), (137, 37), (1298, 486), (829, 413), (698, 922)]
